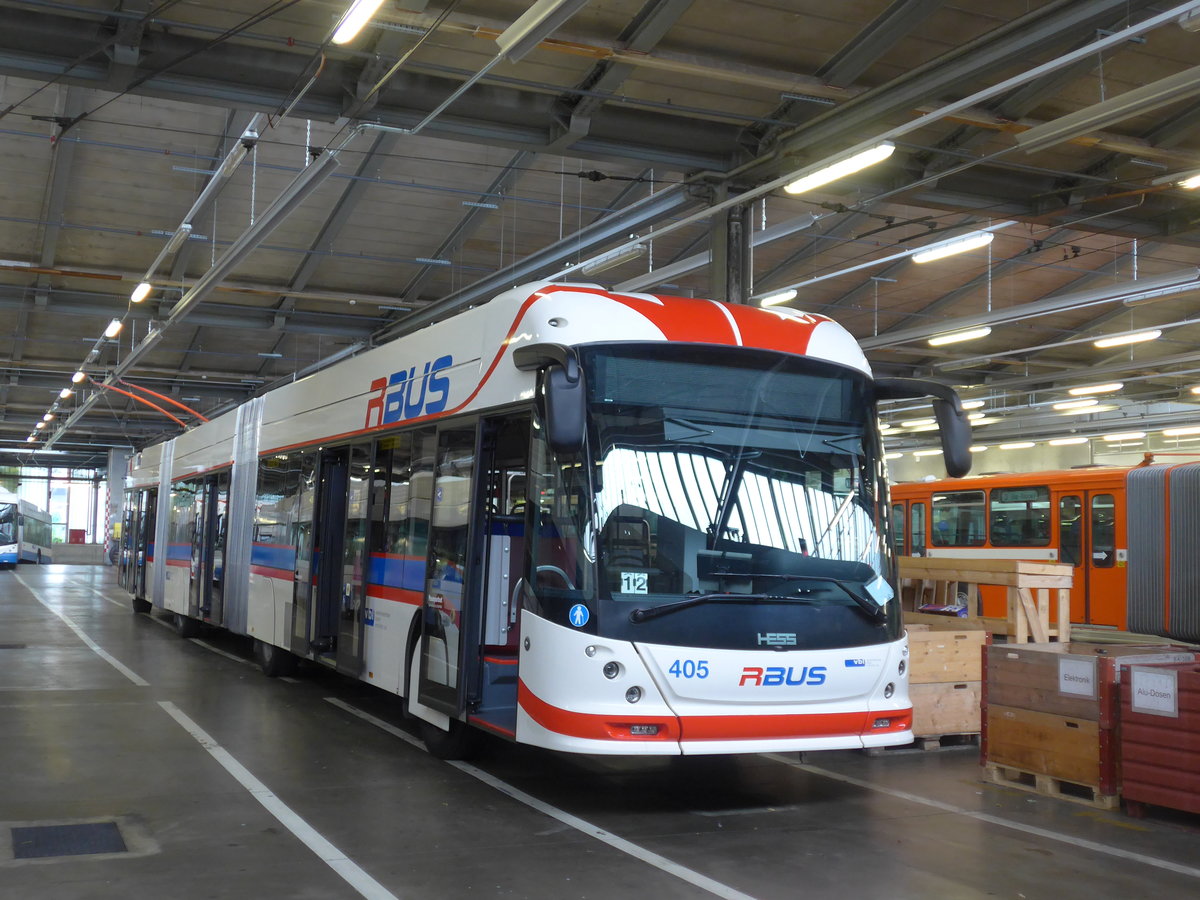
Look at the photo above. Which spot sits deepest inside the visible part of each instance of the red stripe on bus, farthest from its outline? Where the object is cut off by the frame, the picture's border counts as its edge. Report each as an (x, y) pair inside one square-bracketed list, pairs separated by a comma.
[(268, 572), (595, 727), (399, 595)]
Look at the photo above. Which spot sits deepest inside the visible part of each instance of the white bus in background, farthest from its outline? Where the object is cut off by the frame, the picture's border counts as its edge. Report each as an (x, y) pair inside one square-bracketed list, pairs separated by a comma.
[(579, 519), (24, 531)]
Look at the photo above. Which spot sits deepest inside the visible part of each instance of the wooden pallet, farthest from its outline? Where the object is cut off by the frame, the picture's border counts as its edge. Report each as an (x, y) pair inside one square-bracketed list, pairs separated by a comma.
[(1049, 786), (926, 742)]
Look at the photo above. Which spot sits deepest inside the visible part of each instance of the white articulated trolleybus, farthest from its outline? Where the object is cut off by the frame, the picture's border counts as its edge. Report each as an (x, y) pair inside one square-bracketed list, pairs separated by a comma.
[(24, 531), (584, 520)]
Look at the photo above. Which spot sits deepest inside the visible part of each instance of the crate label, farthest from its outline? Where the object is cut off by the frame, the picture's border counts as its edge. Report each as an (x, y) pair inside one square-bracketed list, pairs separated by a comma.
[(1077, 676), (1154, 691)]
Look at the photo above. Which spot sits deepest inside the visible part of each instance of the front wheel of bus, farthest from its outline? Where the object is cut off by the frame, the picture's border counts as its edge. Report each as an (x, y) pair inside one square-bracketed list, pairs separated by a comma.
[(460, 742)]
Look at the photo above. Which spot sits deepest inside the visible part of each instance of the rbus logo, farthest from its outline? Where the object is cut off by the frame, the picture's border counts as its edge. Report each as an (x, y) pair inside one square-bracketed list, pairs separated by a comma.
[(772, 676), (407, 395)]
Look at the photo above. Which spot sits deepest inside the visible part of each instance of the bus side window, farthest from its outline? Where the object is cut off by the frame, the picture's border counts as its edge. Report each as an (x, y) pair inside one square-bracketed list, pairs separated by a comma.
[(898, 528), (916, 529), (1070, 536)]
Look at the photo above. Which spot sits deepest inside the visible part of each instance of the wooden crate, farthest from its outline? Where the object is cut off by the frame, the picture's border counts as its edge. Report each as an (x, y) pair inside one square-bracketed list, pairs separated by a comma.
[(945, 671), (1051, 710), (1160, 737)]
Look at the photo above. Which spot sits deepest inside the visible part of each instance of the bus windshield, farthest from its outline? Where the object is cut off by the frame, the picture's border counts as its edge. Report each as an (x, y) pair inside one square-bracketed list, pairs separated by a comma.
[(733, 478), (8, 523)]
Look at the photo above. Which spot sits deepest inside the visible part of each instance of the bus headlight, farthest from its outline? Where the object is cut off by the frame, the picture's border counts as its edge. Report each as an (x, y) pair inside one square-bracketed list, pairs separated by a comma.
[(889, 690), (902, 667), (634, 694), (612, 669)]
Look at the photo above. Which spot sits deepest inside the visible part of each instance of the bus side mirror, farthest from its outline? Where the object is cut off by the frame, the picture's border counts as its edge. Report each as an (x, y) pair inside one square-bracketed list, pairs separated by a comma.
[(562, 384), (952, 421)]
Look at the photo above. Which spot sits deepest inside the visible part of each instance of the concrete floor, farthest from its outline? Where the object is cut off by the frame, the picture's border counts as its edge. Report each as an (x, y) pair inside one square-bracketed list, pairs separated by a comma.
[(225, 783)]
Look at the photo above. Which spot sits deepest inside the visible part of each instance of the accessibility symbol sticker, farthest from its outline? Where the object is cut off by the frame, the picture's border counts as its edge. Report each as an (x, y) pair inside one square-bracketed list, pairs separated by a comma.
[(579, 615)]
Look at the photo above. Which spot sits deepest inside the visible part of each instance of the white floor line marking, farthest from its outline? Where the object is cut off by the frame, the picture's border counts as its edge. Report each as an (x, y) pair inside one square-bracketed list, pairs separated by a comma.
[(92, 645), (1082, 843), (350, 872), (618, 843), (220, 652), (112, 601), (165, 623)]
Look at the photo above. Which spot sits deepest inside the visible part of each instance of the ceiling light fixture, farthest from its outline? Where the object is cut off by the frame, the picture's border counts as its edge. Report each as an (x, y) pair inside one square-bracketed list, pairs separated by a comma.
[(611, 260), (972, 404), (1120, 340), (977, 448), (1086, 410), (1075, 404), (114, 328), (917, 423), (1096, 389), (141, 292), (954, 337), (1067, 442), (957, 245), (65, 393), (1189, 180), (841, 168), (776, 299), (919, 453), (1176, 432), (1017, 445), (535, 25), (79, 376), (356, 17), (1125, 436)]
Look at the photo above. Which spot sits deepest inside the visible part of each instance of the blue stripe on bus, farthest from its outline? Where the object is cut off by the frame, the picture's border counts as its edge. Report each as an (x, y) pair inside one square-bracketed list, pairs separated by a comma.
[(403, 572), (273, 556)]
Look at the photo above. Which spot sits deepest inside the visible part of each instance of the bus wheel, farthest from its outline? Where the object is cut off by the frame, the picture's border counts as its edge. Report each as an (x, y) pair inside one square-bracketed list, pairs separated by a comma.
[(460, 742), (274, 661), (187, 627), (142, 606)]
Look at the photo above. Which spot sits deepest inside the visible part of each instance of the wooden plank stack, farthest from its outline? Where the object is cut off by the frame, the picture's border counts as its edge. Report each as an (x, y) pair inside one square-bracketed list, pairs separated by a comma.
[(1160, 736), (1050, 717), (945, 680)]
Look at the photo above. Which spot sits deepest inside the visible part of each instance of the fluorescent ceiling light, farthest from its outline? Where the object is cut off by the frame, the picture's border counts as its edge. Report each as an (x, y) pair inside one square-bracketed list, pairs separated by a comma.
[(919, 453), (1067, 442), (776, 299), (1187, 180), (1191, 183), (976, 416), (611, 260), (978, 448), (917, 423), (1017, 445), (957, 245), (1125, 436), (535, 25), (113, 329), (48, 417), (842, 168), (1075, 404), (141, 292), (1103, 407), (79, 376), (972, 404), (356, 17), (1099, 115), (893, 455), (65, 393), (1176, 432), (1195, 389), (986, 420), (40, 425), (1096, 389), (1136, 337), (955, 337)]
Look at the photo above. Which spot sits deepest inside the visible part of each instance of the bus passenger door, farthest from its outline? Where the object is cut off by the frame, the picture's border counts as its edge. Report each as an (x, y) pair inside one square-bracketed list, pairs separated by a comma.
[(328, 534), (1089, 524), (143, 547), (448, 617), (351, 596)]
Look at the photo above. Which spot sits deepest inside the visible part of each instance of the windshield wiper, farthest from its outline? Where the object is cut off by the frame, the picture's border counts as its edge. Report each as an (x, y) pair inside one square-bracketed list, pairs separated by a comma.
[(864, 603), (653, 612)]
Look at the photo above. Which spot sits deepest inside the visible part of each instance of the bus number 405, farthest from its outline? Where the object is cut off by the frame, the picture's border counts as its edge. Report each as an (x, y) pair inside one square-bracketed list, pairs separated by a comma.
[(689, 668)]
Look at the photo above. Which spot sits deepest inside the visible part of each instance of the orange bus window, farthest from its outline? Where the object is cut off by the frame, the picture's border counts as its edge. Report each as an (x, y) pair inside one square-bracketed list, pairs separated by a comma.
[(958, 519), (1104, 532), (1020, 517), (916, 529), (1070, 530)]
